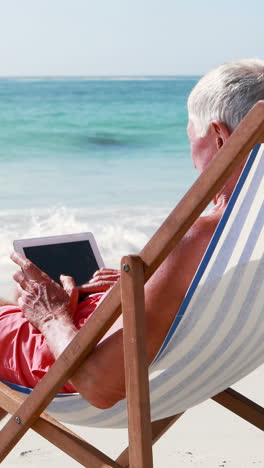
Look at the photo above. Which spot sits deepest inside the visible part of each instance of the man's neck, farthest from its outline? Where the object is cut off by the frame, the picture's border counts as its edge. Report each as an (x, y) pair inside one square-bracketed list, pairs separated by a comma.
[(221, 199)]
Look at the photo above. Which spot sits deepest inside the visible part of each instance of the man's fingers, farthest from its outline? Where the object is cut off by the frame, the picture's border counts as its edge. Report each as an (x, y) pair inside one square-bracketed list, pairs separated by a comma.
[(69, 286), (99, 286), (20, 278), (28, 267), (68, 283), (106, 271), (101, 281), (25, 285), (104, 278), (17, 258)]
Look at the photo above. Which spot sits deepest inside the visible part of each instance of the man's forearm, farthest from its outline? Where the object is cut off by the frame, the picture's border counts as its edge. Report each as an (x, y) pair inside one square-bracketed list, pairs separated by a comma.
[(58, 332)]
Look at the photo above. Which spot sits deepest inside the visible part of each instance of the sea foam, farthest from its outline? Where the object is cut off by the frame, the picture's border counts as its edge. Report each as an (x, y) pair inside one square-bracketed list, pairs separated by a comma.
[(118, 232)]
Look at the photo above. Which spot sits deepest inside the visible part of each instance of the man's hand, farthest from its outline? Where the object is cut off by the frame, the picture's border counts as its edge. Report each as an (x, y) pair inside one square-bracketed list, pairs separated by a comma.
[(42, 299), (101, 281)]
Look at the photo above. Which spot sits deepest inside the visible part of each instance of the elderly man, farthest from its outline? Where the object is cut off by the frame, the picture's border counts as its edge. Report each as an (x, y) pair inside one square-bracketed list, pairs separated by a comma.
[(51, 319)]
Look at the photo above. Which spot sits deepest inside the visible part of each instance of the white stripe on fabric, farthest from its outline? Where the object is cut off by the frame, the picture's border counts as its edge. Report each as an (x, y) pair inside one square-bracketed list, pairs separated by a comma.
[(182, 345), (190, 364), (231, 231), (218, 248), (226, 381), (226, 357)]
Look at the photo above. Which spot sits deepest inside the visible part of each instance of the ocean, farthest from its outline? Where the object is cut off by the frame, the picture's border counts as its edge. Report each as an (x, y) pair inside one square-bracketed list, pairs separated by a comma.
[(107, 155)]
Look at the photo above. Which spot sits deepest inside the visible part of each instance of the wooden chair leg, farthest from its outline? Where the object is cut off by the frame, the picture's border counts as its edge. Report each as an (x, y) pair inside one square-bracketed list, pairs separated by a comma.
[(136, 365), (241, 406), (72, 444), (56, 433), (158, 429), (161, 426)]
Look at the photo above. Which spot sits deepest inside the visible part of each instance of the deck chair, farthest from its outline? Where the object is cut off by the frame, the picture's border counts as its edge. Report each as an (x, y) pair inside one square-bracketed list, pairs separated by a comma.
[(216, 338)]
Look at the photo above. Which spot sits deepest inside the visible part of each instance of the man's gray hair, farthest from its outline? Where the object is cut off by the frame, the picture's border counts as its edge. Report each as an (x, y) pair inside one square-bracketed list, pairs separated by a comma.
[(226, 93)]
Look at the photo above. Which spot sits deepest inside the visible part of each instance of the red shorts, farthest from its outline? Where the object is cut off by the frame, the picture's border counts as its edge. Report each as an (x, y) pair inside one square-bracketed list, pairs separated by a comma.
[(24, 354)]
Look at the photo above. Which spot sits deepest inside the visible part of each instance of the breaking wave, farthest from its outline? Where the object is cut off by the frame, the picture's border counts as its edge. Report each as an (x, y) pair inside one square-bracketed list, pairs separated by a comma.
[(118, 232)]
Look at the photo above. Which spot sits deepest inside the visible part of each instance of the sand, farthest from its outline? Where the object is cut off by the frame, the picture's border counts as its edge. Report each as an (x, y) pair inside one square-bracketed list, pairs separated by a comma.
[(206, 436)]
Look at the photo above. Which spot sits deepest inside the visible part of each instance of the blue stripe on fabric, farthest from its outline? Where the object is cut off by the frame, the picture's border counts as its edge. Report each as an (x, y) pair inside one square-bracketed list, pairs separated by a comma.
[(239, 324), (200, 299), (209, 334), (254, 360), (238, 222), (27, 390), (18, 388), (210, 250), (183, 404), (191, 319), (242, 369)]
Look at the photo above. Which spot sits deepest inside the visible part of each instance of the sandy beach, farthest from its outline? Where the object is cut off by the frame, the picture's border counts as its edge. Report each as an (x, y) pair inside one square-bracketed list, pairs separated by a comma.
[(206, 436)]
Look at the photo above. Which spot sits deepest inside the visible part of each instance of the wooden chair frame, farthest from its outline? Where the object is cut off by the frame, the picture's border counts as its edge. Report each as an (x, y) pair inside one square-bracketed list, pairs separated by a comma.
[(135, 271)]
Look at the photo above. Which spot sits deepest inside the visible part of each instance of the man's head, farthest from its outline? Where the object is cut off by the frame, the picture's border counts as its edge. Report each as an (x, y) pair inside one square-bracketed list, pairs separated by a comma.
[(218, 103)]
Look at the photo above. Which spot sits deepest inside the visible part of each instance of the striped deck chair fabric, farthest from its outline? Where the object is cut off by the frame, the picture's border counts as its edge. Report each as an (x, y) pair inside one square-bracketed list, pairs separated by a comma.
[(217, 336)]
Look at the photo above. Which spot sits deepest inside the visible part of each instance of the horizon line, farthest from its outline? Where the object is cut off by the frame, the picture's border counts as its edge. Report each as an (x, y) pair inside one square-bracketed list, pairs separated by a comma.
[(102, 76)]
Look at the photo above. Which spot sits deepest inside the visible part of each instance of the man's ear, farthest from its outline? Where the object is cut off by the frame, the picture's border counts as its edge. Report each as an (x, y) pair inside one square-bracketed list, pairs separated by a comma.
[(221, 132)]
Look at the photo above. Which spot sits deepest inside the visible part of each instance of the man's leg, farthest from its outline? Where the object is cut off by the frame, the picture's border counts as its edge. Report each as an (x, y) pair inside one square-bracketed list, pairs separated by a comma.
[(25, 355), (4, 302)]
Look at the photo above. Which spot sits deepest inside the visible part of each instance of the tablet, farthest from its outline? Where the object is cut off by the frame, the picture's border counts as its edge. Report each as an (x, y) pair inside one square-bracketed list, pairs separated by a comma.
[(76, 255)]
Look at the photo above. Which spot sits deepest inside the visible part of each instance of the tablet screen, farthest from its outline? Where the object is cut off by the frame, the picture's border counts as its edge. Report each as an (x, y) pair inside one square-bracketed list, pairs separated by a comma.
[(75, 259)]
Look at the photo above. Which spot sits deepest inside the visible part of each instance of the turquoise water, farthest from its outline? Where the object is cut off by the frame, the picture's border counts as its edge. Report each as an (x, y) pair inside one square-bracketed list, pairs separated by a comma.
[(106, 155)]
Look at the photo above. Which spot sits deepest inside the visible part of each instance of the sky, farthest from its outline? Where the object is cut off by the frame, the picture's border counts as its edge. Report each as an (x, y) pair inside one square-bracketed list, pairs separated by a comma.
[(126, 37)]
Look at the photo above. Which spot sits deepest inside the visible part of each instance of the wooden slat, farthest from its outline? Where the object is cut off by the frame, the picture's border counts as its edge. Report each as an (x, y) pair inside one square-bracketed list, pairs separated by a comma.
[(161, 426), (3, 413), (230, 157), (242, 406), (158, 429), (136, 363), (57, 434)]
